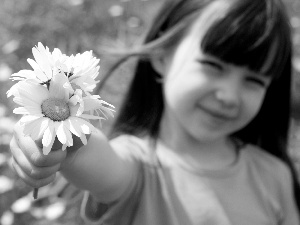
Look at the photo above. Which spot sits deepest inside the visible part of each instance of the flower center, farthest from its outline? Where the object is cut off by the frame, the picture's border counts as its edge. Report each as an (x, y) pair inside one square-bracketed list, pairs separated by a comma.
[(55, 109)]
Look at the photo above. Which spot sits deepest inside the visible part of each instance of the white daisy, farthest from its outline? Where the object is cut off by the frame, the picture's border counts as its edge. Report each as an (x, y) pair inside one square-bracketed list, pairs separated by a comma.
[(98, 107), (50, 112), (81, 69), (44, 65)]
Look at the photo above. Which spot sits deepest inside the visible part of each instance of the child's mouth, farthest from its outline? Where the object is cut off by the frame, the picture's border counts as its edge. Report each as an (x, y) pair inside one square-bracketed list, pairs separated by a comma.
[(217, 116)]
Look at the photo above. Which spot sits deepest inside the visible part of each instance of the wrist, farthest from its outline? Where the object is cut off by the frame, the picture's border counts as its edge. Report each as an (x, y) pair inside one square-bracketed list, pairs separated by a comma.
[(72, 152)]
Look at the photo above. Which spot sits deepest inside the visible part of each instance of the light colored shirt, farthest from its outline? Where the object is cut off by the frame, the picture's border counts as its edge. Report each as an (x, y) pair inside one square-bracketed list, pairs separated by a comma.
[(255, 190)]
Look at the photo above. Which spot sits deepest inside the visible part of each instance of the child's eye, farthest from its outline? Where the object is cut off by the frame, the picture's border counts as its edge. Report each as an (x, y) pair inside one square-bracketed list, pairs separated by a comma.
[(211, 64), (257, 81)]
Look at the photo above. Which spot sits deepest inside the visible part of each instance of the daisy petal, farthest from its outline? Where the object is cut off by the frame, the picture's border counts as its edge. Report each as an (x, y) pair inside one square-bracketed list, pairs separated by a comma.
[(60, 133), (29, 119), (91, 117), (34, 109), (39, 73), (48, 138), (20, 110), (106, 111), (91, 104), (74, 109), (83, 139), (106, 103), (40, 56), (57, 89), (64, 147), (47, 149), (23, 74), (85, 126), (57, 53), (74, 128), (32, 92), (36, 128), (68, 135)]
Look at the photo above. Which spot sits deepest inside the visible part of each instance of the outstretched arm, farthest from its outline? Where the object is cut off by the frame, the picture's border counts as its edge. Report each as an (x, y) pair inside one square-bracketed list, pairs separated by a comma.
[(99, 168), (95, 167)]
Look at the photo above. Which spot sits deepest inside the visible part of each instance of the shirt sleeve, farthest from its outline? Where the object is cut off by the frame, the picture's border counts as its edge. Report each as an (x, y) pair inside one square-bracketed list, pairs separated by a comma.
[(290, 214), (119, 211)]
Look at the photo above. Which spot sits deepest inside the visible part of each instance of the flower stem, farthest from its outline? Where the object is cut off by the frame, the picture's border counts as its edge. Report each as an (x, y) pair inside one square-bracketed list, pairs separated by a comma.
[(35, 193), (56, 146)]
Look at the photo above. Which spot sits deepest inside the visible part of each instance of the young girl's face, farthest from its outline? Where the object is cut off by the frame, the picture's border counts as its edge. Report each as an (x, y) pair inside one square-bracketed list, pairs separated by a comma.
[(206, 98)]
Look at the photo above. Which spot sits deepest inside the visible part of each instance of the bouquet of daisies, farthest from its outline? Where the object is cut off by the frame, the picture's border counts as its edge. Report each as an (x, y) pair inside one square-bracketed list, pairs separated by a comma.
[(56, 99)]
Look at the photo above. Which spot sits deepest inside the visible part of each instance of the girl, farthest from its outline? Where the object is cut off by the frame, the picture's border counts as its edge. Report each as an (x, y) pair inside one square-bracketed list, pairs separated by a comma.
[(202, 135)]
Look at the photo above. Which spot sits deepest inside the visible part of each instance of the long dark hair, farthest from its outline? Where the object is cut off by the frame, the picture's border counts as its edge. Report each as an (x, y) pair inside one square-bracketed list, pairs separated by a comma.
[(246, 36)]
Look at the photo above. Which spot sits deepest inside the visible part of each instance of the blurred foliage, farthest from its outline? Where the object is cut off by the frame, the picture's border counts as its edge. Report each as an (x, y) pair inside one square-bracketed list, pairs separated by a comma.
[(76, 26), (71, 25)]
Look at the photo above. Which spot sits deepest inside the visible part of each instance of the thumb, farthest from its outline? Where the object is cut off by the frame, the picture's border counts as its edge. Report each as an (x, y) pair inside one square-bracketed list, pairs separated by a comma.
[(56, 144)]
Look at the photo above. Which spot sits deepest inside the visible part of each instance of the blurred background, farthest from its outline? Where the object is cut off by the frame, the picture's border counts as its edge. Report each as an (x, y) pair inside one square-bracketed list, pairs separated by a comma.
[(75, 26)]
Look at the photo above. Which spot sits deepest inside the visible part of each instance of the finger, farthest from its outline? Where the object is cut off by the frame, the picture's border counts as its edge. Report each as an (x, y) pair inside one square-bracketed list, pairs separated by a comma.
[(26, 143), (36, 183), (53, 158), (34, 154), (30, 169)]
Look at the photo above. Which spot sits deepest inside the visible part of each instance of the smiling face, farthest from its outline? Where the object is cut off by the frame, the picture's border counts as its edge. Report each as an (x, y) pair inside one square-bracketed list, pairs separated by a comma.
[(207, 99)]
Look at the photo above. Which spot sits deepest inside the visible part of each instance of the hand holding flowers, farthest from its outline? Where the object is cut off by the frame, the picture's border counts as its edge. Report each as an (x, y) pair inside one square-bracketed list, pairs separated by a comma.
[(56, 99)]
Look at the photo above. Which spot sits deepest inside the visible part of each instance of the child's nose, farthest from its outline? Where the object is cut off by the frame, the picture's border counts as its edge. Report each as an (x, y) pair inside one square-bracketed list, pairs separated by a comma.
[(228, 93)]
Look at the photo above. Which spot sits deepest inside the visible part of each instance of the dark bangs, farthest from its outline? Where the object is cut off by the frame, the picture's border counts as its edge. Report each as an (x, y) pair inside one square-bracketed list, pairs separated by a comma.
[(253, 34)]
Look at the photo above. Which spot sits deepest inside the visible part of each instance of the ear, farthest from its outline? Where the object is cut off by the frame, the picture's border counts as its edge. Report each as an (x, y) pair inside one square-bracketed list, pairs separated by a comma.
[(159, 64)]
